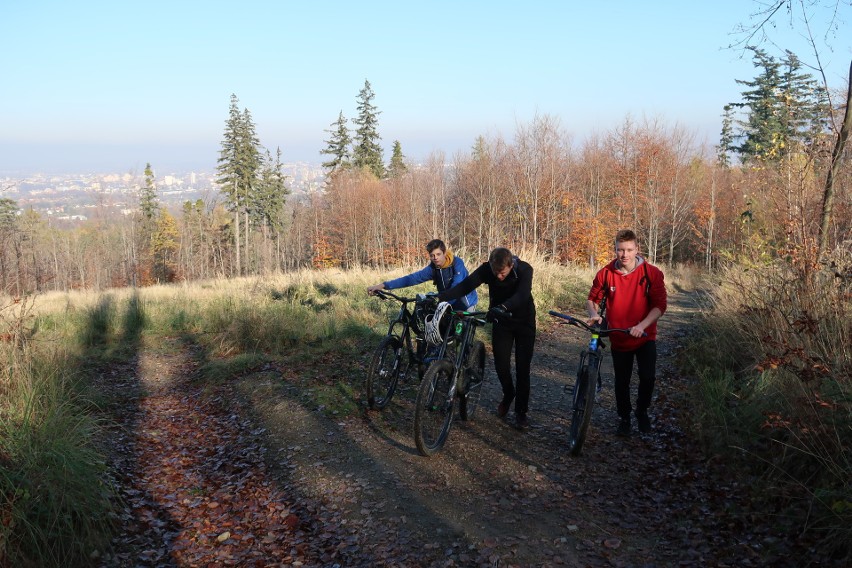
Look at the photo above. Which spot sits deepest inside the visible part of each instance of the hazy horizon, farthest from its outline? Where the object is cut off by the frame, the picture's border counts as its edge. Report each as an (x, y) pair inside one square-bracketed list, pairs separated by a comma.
[(112, 86)]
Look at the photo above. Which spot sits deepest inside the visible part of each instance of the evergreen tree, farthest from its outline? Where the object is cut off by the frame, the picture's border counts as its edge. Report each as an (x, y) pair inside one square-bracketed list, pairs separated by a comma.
[(726, 138), (148, 203), (367, 153), (786, 110), (397, 165), (338, 146), (238, 165), (761, 131), (272, 192)]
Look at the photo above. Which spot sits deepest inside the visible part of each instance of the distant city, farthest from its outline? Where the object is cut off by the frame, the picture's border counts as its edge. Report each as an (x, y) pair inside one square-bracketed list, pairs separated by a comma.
[(71, 199)]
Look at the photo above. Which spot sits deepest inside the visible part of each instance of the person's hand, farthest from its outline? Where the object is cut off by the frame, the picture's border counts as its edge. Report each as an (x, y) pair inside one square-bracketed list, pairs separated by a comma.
[(497, 313), (637, 331), (371, 290), (430, 301), (595, 320)]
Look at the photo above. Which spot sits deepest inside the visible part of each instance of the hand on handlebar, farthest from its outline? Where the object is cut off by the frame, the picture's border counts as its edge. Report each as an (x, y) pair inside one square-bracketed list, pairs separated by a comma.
[(636, 331), (371, 290), (497, 313)]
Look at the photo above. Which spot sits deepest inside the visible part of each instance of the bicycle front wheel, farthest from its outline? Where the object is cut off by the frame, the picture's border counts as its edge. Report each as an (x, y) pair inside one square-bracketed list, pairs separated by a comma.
[(583, 405), (389, 362), (475, 376), (433, 411)]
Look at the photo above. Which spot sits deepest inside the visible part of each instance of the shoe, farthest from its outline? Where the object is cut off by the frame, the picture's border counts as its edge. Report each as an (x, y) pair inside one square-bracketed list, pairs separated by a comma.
[(644, 422), (623, 427), (502, 410), (522, 422)]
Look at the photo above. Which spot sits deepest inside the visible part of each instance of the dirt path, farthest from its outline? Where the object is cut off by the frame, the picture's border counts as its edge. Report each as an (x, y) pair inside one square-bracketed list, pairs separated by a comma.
[(249, 475)]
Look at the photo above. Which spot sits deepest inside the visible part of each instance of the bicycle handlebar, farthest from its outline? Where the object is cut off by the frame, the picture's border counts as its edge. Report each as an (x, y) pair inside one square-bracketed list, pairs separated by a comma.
[(592, 329), (385, 294)]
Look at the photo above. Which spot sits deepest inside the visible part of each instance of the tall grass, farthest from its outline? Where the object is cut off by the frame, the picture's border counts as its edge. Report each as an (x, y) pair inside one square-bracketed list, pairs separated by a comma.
[(54, 501), (775, 359)]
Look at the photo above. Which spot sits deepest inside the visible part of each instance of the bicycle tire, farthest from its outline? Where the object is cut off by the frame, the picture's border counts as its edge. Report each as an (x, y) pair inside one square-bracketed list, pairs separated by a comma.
[(389, 362), (433, 411), (583, 405), (475, 376)]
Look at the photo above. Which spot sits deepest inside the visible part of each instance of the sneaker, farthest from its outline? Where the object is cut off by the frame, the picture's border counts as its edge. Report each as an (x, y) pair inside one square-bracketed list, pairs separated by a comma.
[(644, 422), (502, 410), (522, 422), (623, 427)]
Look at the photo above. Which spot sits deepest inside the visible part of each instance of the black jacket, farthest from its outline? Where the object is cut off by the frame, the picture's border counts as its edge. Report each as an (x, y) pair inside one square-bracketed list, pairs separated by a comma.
[(514, 293)]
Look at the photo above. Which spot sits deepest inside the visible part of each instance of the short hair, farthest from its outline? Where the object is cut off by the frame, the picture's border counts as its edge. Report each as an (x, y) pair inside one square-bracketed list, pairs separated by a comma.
[(625, 235), (500, 258), (436, 243)]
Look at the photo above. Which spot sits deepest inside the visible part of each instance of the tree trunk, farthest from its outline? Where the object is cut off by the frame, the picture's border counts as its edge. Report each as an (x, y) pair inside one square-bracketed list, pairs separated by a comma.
[(834, 170)]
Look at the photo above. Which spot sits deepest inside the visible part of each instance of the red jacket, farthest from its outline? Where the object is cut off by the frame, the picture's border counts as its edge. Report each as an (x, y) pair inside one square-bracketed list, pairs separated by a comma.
[(629, 301)]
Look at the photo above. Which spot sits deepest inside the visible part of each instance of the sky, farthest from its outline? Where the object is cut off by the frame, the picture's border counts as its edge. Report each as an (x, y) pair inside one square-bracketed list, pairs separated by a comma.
[(108, 86)]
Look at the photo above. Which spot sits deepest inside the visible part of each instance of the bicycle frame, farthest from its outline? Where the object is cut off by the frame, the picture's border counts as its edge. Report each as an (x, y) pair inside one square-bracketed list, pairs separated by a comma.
[(588, 381), (405, 318), (444, 382), (460, 335)]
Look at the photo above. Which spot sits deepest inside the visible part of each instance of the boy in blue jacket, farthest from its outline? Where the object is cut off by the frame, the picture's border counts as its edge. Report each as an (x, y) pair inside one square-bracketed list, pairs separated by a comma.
[(444, 270)]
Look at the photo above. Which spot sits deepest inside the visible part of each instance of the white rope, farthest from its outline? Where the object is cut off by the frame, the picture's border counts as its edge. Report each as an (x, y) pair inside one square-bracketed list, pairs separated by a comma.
[(433, 324)]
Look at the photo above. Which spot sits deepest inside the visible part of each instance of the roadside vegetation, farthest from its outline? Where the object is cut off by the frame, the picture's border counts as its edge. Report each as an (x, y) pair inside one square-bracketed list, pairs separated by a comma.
[(771, 368), (773, 388)]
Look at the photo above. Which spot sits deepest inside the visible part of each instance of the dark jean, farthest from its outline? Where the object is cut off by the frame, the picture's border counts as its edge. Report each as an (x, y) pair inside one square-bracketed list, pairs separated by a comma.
[(522, 336), (646, 363)]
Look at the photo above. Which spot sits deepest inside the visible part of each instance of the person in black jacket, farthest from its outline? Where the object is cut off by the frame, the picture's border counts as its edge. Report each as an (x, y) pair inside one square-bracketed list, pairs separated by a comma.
[(512, 309)]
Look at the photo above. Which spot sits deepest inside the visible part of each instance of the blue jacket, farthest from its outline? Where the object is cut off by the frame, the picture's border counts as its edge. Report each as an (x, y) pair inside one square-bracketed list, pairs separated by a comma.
[(444, 279)]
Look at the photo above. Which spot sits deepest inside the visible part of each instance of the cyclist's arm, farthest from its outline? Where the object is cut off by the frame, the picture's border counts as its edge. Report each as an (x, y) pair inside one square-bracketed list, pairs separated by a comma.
[(592, 308), (638, 329), (375, 288), (596, 293), (419, 277)]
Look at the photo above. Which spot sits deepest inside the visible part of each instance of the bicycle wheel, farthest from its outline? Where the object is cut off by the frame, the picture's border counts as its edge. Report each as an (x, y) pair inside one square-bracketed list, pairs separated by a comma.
[(583, 405), (474, 376), (389, 362), (433, 411)]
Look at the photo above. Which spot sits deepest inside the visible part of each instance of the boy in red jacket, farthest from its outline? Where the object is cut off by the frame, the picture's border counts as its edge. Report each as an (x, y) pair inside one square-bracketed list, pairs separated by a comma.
[(635, 293)]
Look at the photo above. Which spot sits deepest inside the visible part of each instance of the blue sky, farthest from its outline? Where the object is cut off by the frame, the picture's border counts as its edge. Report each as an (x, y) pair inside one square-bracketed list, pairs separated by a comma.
[(110, 85)]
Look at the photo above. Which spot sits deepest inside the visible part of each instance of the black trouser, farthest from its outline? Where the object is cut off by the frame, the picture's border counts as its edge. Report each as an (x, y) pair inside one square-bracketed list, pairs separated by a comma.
[(522, 336), (646, 364)]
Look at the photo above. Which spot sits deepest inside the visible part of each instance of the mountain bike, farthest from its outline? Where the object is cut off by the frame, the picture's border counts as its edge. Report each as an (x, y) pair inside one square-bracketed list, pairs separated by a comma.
[(588, 381), (401, 349), (457, 373)]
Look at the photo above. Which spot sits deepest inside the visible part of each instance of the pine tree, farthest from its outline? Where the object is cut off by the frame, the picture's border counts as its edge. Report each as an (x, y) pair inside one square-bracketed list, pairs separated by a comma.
[(272, 193), (726, 138), (338, 147), (368, 153), (761, 131), (786, 110), (148, 204), (397, 165), (239, 161)]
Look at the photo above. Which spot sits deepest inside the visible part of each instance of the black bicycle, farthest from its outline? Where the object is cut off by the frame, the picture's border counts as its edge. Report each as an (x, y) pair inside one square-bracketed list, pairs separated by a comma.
[(588, 381), (403, 348), (457, 373)]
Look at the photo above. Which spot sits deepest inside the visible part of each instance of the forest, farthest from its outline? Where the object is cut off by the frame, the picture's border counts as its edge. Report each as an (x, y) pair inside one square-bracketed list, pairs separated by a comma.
[(759, 194)]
